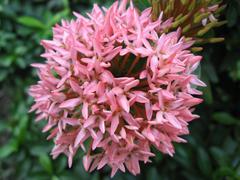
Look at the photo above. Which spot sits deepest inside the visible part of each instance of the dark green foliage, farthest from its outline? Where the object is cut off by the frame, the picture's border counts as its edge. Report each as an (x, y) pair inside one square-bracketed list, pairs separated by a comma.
[(213, 151)]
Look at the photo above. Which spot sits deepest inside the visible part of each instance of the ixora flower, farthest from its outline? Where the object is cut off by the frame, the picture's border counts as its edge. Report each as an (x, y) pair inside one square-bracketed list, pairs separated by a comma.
[(114, 85)]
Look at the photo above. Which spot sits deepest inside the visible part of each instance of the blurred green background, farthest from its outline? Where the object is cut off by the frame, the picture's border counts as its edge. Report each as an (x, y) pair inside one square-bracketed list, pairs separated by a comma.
[(213, 151)]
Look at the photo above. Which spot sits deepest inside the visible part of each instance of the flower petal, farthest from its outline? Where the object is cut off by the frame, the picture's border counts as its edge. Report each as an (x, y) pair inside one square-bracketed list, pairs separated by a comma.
[(123, 102), (70, 103), (114, 124)]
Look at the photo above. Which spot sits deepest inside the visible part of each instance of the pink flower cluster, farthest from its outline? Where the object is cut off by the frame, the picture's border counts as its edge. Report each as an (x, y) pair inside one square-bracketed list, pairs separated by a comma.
[(115, 85)]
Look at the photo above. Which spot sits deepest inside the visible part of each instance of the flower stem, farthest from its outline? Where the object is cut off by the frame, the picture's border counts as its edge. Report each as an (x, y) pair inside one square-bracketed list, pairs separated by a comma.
[(133, 64), (124, 61)]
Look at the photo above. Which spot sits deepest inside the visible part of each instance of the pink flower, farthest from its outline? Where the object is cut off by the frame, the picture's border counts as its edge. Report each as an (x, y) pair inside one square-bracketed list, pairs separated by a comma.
[(114, 85)]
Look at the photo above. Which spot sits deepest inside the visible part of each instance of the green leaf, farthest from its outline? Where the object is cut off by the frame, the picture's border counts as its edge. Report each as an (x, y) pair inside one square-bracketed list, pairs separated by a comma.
[(39, 149), (232, 15), (6, 61), (31, 22), (225, 118), (56, 18), (230, 146), (211, 71), (219, 156), (203, 160), (21, 130), (66, 3), (3, 126), (224, 173), (61, 164), (183, 157), (8, 149), (3, 74), (46, 163), (152, 174), (142, 4), (55, 178), (207, 92)]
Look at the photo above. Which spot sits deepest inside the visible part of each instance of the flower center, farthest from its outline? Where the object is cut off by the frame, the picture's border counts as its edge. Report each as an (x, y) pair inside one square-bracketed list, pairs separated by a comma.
[(127, 66)]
